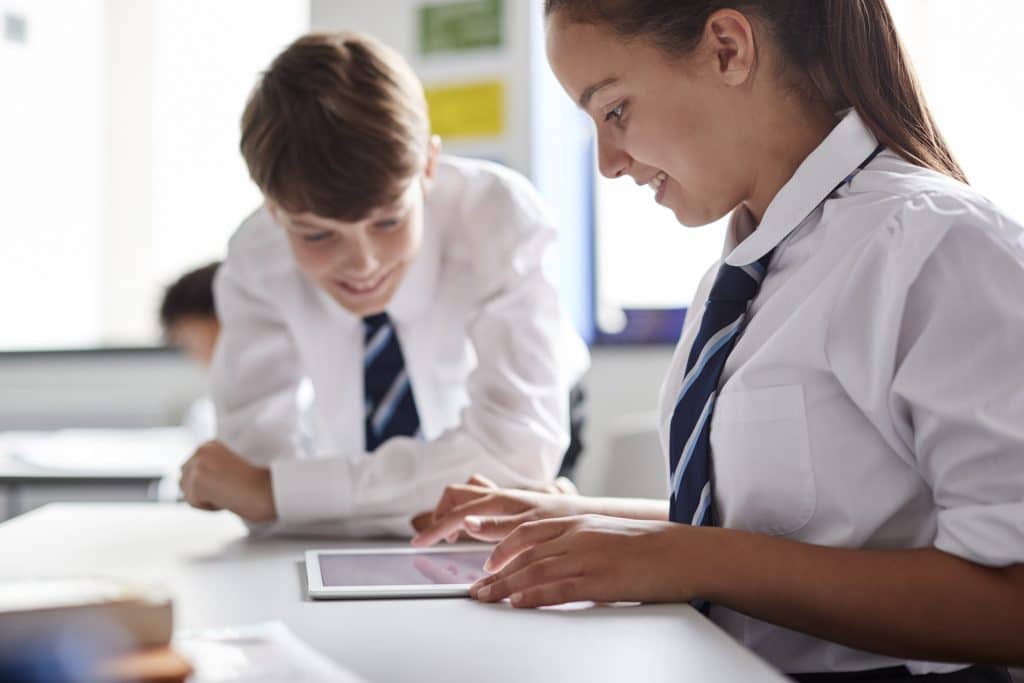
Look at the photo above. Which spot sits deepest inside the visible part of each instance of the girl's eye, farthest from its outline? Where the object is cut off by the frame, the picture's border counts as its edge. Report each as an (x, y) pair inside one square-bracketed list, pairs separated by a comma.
[(386, 224), (316, 237), (615, 113)]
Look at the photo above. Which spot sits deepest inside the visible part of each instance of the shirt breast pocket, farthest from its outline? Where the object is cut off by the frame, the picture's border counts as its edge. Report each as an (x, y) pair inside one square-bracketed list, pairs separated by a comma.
[(764, 480)]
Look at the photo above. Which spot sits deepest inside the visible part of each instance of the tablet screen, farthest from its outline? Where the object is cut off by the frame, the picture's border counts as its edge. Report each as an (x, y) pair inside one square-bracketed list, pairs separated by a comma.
[(402, 569)]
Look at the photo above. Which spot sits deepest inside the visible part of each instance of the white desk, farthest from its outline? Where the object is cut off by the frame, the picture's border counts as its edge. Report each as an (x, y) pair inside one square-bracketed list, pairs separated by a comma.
[(221, 577), (124, 465)]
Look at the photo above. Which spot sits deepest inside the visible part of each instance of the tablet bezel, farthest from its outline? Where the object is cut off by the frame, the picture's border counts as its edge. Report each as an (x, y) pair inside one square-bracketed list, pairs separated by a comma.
[(316, 589)]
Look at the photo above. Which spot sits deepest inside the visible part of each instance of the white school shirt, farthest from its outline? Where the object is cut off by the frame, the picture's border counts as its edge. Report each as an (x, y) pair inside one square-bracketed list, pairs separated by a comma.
[(876, 398), (489, 352)]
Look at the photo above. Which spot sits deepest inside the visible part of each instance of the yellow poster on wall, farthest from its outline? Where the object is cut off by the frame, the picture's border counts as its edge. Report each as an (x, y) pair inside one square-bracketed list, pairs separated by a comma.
[(467, 110)]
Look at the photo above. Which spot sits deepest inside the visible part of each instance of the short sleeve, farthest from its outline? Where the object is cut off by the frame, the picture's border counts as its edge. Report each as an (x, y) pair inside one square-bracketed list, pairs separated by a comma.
[(958, 390)]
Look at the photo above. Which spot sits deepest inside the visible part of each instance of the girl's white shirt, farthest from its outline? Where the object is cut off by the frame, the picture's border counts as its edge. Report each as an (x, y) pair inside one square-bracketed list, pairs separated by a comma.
[(489, 350), (876, 398)]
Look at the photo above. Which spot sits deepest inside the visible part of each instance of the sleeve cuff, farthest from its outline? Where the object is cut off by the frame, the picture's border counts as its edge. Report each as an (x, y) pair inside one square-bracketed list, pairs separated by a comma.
[(308, 491), (991, 535)]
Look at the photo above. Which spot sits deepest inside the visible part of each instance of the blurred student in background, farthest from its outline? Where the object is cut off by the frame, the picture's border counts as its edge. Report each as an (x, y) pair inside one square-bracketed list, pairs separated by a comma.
[(187, 314), (189, 322)]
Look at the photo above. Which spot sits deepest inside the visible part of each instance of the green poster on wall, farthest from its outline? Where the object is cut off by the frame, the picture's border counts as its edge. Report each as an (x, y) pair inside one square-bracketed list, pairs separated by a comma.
[(461, 26)]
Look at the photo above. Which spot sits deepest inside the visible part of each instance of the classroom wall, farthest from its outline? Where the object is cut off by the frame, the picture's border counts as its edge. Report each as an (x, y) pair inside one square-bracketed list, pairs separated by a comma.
[(103, 388), (394, 23)]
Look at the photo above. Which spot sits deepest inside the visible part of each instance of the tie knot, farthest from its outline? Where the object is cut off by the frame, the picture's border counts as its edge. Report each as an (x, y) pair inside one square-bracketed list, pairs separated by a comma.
[(372, 323), (740, 283)]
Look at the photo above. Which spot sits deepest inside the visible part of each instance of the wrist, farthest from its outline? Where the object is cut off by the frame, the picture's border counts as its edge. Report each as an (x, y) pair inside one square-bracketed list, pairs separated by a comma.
[(266, 509)]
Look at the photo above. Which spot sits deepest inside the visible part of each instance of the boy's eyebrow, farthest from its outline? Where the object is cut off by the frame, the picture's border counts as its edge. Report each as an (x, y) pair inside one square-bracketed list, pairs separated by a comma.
[(588, 94), (306, 223)]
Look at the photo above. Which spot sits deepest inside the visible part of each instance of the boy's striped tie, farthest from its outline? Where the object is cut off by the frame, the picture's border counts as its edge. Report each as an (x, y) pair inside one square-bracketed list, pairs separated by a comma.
[(690, 429), (390, 409)]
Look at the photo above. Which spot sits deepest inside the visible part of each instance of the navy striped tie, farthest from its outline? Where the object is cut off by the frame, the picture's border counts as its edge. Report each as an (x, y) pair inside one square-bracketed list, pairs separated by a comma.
[(390, 408), (690, 430)]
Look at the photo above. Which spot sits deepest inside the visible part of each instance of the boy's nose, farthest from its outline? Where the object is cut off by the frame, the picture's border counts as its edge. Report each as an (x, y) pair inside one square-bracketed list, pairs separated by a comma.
[(360, 262)]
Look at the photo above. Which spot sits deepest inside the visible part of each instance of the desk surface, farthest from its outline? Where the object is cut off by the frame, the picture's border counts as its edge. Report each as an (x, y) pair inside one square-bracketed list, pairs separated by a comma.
[(13, 470), (221, 577)]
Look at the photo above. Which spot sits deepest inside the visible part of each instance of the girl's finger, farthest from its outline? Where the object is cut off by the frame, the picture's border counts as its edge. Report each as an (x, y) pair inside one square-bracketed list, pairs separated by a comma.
[(452, 522), (494, 527), (458, 494), (481, 480), (541, 571), (525, 537), (571, 589)]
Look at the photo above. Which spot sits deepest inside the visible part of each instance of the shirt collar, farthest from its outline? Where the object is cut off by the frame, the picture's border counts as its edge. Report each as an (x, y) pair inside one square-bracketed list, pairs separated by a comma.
[(846, 147), (415, 294)]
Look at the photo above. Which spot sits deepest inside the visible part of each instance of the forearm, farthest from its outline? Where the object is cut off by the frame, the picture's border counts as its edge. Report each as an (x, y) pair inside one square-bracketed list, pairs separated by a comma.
[(914, 604)]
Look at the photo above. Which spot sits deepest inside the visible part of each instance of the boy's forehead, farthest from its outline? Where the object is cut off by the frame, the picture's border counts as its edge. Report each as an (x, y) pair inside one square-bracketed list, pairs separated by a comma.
[(403, 198)]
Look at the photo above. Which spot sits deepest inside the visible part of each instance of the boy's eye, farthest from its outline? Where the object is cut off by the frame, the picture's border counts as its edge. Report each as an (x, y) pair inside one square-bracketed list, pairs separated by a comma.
[(316, 237), (615, 113), (386, 223)]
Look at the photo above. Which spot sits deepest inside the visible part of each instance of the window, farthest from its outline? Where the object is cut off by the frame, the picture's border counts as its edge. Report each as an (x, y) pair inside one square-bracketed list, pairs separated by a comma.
[(648, 266), (120, 166)]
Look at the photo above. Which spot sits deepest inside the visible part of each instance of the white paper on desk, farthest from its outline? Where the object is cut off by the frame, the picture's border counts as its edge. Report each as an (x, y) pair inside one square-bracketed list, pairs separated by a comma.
[(101, 451), (256, 653)]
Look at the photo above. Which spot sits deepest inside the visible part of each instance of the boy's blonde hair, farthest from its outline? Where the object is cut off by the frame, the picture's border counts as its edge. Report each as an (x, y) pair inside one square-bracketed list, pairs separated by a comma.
[(337, 126)]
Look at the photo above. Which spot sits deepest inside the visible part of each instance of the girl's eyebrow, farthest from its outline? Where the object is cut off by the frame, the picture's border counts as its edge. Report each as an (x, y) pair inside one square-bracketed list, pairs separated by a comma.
[(588, 94)]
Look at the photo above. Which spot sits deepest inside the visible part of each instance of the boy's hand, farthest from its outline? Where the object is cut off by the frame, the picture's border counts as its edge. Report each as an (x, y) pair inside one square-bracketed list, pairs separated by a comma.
[(215, 478)]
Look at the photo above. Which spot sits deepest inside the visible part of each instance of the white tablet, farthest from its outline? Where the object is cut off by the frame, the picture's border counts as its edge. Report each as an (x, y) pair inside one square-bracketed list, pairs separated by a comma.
[(394, 572)]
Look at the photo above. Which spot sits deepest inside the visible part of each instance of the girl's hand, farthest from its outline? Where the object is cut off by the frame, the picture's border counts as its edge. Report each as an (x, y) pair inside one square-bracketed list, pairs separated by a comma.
[(593, 557), (488, 513)]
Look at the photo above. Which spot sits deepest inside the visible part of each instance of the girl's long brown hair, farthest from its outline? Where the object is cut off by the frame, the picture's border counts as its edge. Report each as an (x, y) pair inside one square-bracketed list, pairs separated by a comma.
[(848, 50)]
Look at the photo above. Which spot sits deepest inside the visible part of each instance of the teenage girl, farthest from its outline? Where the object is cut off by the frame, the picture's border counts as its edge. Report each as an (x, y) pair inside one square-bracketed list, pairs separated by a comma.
[(844, 415)]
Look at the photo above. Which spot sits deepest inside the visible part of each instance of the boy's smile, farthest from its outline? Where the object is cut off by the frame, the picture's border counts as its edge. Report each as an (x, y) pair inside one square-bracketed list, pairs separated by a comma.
[(364, 288), (359, 264)]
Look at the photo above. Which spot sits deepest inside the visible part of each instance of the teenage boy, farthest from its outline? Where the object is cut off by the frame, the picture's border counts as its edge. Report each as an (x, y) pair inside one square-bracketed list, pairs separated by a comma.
[(409, 287)]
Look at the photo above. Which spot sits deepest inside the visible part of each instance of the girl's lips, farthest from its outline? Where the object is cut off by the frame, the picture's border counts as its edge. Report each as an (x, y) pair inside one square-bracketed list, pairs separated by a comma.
[(660, 194)]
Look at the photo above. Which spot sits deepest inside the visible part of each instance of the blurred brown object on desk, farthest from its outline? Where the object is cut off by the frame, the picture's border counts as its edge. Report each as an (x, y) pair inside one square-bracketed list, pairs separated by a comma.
[(152, 665)]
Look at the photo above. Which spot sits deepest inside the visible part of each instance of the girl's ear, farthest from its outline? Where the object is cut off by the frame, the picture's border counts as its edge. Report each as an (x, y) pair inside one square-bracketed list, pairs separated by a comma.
[(730, 39)]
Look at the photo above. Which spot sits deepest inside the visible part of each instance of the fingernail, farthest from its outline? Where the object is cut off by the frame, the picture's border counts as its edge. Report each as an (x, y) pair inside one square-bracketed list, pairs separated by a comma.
[(483, 592), (473, 522), (516, 598)]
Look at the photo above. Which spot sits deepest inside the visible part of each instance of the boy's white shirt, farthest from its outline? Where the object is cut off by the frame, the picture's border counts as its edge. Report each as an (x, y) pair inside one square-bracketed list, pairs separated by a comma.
[(490, 353), (876, 397)]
